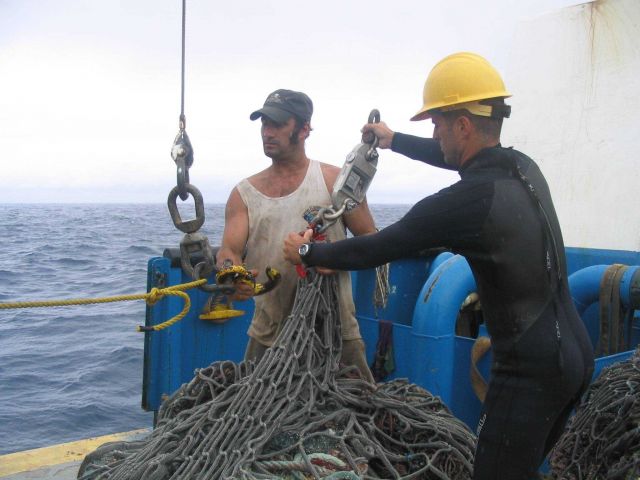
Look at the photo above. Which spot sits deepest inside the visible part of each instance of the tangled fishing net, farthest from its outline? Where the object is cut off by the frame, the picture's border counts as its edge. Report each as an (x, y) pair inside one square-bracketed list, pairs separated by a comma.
[(294, 415), (602, 440)]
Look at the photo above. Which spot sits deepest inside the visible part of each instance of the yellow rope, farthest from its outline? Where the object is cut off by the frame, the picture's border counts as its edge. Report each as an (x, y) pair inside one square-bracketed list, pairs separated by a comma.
[(151, 298)]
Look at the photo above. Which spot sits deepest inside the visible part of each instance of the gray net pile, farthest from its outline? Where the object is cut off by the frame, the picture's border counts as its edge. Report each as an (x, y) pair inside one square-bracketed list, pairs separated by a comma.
[(294, 415), (602, 440)]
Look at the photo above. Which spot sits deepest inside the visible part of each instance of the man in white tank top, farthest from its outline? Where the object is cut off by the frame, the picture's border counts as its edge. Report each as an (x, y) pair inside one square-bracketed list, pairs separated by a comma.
[(264, 207)]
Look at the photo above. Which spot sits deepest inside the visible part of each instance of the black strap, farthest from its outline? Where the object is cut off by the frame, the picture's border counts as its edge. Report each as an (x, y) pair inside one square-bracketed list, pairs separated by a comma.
[(551, 244), (383, 361), (612, 315)]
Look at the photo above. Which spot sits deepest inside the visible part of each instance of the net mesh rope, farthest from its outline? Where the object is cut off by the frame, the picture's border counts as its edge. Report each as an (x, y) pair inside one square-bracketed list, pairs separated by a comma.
[(602, 440), (294, 415)]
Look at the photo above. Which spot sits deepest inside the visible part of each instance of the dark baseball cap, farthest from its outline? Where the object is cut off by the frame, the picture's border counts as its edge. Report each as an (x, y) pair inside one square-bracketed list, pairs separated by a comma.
[(282, 104)]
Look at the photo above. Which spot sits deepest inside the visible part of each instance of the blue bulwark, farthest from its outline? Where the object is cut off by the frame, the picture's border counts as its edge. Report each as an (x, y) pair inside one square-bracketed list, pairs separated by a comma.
[(172, 355), (424, 301)]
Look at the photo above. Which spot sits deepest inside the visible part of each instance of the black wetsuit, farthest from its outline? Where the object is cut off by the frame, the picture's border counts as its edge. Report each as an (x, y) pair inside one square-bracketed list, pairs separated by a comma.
[(501, 218)]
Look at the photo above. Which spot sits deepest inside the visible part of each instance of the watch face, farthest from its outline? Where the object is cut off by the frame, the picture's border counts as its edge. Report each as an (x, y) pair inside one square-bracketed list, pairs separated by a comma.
[(303, 250)]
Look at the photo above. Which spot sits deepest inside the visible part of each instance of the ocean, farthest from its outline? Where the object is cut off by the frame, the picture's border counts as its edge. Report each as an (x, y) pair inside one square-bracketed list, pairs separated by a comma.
[(68, 373)]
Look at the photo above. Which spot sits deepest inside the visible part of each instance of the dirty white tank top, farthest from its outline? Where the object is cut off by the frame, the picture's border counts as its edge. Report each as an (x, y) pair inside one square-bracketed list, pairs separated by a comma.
[(270, 220)]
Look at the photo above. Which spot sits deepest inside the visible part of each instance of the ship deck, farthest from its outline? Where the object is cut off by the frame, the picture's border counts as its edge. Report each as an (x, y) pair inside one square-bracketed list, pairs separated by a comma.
[(57, 462)]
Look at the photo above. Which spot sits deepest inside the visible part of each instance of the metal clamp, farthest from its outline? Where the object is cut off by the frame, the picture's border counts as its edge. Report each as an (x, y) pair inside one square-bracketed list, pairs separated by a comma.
[(372, 153), (193, 243), (359, 168), (327, 216), (200, 272), (182, 154)]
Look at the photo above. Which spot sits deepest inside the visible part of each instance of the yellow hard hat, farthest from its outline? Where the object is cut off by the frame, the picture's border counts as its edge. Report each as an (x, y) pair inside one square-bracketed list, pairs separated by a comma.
[(460, 81)]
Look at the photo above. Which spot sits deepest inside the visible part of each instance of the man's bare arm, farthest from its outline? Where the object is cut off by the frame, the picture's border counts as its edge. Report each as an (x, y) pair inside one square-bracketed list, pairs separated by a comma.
[(234, 239), (359, 221), (236, 230)]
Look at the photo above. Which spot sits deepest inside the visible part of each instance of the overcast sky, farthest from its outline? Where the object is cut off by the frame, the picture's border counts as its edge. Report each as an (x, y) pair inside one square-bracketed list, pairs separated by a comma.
[(90, 90)]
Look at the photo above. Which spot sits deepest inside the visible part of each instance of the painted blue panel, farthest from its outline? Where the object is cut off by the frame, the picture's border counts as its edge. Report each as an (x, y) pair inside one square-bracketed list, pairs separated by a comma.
[(406, 278), (427, 352), (173, 354), (579, 258)]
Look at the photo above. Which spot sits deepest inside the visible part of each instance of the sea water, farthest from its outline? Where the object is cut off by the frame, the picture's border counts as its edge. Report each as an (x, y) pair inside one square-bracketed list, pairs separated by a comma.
[(68, 373)]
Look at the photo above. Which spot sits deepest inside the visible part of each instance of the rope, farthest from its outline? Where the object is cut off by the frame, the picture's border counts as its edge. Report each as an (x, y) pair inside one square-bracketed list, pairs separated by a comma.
[(151, 298), (612, 315), (381, 292), (480, 347), (238, 420)]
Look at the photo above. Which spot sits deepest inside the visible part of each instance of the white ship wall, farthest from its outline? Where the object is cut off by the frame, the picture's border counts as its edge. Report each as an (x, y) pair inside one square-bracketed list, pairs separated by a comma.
[(575, 79)]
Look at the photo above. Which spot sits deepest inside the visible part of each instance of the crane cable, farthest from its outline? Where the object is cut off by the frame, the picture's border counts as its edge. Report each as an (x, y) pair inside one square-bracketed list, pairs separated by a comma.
[(182, 117)]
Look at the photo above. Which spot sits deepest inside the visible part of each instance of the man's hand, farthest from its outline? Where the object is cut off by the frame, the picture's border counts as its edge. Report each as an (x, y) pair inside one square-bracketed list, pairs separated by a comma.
[(382, 131), (244, 291), (292, 243), (326, 271)]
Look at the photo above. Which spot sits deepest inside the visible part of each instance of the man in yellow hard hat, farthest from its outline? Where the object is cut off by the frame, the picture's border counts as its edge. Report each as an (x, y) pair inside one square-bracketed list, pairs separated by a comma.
[(500, 216)]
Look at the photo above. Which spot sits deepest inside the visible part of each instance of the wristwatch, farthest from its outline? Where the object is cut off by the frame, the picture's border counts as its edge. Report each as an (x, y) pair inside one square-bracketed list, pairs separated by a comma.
[(303, 251)]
